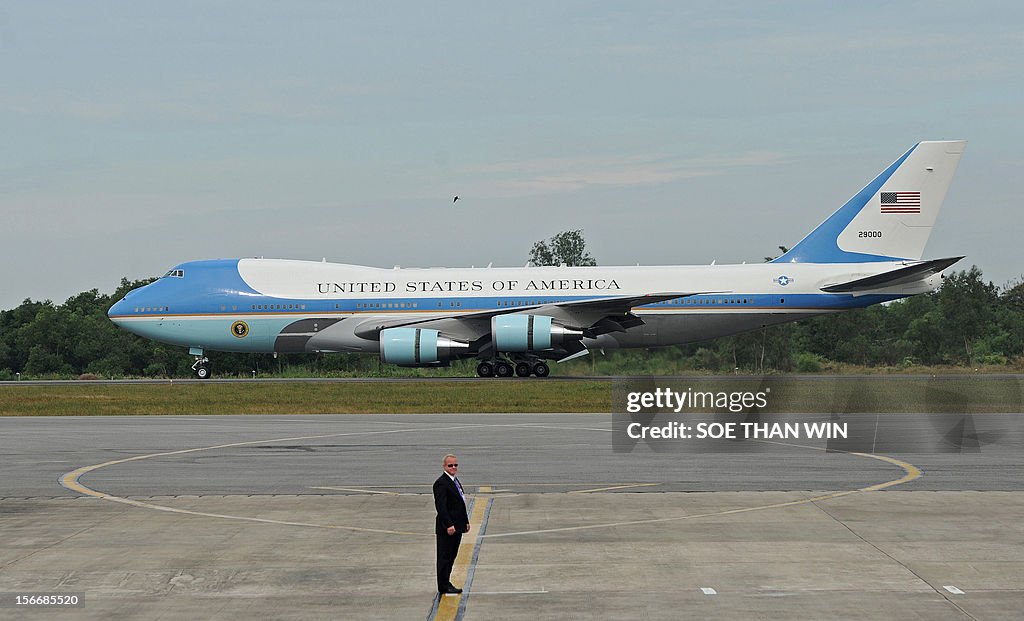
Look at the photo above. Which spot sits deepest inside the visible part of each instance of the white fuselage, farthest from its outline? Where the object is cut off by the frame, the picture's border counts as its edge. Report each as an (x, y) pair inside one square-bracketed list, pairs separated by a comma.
[(269, 295)]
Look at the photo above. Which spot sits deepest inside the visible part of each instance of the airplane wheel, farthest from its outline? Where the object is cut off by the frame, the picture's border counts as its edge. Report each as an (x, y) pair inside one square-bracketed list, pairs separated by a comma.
[(541, 370), (523, 369), (485, 369), (203, 371), (503, 369)]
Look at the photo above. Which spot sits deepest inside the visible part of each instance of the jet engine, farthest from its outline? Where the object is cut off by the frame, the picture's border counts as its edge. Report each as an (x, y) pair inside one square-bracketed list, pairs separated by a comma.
[(515, 333), (418, 347)]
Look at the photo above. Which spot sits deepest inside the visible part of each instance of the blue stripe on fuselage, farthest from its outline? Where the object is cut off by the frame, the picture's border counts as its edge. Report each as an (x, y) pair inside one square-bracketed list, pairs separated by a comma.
[(155, 303)]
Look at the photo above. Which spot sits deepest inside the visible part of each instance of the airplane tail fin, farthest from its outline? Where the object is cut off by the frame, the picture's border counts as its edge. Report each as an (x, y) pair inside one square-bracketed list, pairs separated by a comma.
[(892, 217)]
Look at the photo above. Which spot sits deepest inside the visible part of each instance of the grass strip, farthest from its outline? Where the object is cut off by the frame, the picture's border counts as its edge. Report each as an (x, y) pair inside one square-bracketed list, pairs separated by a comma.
[(306, 398), (968, 394)]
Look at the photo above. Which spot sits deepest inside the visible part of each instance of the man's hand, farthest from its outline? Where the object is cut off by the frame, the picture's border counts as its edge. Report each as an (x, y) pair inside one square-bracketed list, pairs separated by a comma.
[(467, 527), (451, 530)]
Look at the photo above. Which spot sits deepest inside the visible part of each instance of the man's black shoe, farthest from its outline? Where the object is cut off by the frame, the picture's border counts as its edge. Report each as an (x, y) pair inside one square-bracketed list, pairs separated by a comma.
[(453, 590)]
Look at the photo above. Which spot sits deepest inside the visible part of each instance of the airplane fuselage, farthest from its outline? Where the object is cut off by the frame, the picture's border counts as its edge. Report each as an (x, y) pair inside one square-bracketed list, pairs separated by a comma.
[(200, 304)]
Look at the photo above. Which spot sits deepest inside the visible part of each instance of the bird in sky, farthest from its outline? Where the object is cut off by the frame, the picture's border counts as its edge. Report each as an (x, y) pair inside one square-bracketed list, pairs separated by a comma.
[(455, 199)]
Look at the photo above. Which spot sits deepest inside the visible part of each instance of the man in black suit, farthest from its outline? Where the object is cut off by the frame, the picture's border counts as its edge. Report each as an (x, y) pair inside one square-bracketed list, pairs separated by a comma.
[(452, 520)]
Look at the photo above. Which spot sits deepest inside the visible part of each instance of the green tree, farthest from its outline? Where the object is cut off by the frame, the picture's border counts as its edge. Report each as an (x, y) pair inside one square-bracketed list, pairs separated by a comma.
[(1004, 340), (770, 259), (566, 248), (1013, 296), (46, 339), (855, 336), (967, 304), (12, 355)]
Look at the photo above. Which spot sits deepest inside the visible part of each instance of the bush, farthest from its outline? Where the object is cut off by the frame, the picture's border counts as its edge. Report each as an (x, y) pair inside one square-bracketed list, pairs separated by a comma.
[(997, 359), (708, 359), (808, 363)]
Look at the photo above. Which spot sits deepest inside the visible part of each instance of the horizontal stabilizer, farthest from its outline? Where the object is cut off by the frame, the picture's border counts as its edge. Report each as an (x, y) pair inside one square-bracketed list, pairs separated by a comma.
[(898, 276)]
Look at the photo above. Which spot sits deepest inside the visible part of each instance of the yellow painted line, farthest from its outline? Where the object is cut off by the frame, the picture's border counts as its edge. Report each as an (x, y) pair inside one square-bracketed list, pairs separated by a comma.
[(605, 489), (485, 489), (71, 481), (911, 472), (448, 607)]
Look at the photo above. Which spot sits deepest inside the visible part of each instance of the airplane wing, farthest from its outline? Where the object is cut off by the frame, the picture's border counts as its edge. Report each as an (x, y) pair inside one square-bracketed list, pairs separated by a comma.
[(595, 316)]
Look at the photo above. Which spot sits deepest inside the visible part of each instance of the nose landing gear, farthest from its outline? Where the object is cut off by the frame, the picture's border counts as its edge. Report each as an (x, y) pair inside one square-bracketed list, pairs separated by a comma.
[(202, 367)]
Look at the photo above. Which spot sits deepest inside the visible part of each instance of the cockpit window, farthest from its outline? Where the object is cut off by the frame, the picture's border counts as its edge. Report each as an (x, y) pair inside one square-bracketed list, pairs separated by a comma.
[(175, 274)]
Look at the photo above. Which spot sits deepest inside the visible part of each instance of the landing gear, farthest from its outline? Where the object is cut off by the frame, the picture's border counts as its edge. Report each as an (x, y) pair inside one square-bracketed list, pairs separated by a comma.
[(506, 368), (202, 367)]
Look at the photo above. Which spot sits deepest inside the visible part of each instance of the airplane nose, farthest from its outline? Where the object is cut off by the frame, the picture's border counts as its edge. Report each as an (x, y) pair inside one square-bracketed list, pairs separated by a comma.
[(117, 310)]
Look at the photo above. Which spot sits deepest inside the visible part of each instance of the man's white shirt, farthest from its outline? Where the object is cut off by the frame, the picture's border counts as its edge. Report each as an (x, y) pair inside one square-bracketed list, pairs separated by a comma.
[(457, 486)]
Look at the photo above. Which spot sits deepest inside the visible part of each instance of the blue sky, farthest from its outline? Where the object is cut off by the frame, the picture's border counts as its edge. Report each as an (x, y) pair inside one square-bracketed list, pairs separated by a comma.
[(136, 136)]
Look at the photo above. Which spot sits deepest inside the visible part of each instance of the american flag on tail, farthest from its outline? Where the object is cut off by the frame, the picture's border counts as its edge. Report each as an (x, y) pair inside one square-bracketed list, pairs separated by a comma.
[(901, 202)]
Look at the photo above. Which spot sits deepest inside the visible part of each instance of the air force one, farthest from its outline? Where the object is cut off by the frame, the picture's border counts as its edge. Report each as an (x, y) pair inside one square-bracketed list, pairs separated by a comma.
[(515, 320)]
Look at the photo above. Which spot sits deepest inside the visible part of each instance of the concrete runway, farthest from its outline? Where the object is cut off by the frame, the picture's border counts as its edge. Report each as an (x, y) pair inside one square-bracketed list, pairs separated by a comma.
[(330, 516)]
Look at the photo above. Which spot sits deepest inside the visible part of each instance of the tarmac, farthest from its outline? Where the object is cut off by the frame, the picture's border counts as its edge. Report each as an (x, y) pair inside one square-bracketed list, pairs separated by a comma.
[(312, 517)]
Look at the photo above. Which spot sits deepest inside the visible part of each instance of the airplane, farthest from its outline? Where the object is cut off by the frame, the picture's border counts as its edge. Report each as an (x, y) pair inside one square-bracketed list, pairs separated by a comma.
[(515, 320)]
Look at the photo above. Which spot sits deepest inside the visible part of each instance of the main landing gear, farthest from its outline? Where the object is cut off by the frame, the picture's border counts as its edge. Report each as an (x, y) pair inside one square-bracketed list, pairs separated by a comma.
[(505, 368)]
